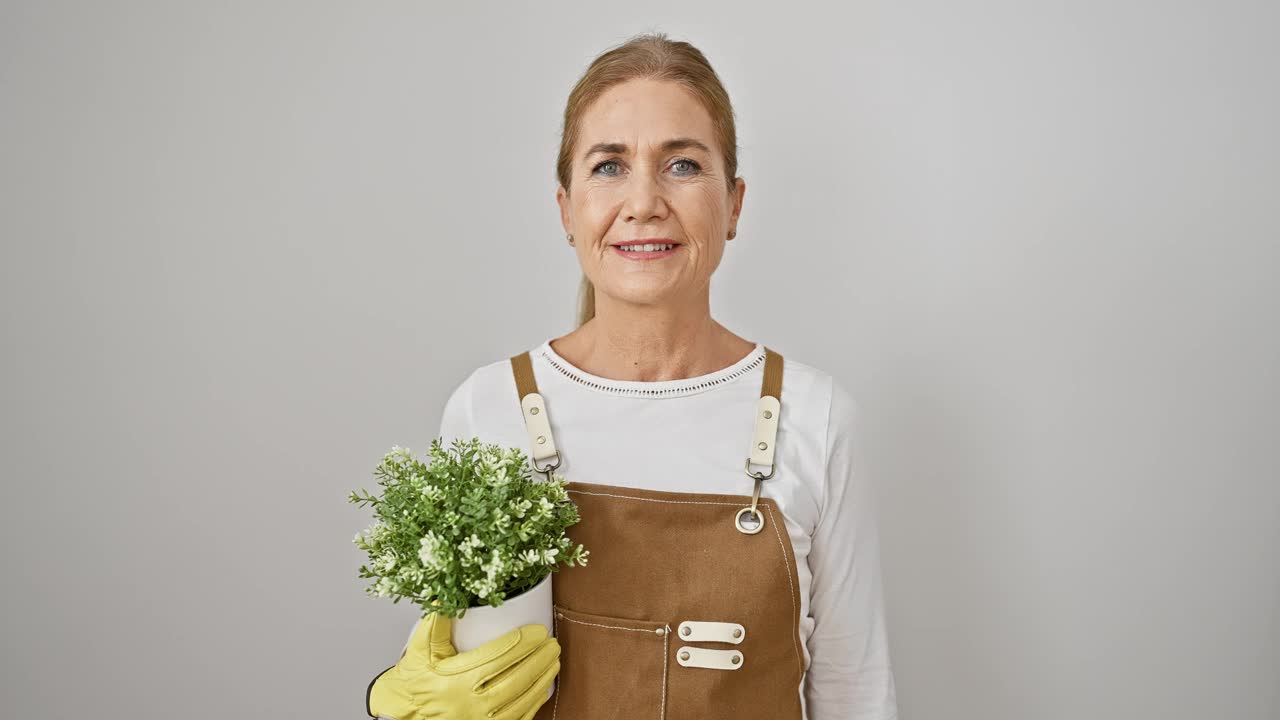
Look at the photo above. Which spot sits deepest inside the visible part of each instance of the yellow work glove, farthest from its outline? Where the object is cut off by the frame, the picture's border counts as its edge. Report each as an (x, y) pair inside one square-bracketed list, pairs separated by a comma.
[(504, 679)]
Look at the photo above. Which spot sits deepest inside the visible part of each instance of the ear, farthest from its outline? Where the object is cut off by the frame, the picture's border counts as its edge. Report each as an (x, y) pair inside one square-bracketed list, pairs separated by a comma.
[(739, 189), (562, 199)]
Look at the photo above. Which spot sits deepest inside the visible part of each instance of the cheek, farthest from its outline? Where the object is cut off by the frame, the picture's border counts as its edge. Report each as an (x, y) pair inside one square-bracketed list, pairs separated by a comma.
[(595, 208), (710, 207)]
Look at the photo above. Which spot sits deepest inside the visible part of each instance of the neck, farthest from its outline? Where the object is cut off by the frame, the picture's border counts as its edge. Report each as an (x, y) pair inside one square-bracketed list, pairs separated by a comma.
[(648, 343)]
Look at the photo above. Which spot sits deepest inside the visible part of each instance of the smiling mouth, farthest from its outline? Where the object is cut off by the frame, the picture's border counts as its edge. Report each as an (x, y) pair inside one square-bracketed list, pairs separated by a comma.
[(645, 247), (646, 251)]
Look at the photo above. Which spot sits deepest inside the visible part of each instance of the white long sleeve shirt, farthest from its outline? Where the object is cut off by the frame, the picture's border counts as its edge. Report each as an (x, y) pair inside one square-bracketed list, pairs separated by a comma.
[(605, 430)]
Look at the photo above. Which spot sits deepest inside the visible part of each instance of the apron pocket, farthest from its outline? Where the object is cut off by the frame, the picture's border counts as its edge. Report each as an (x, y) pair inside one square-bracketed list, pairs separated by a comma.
[(610, 667)]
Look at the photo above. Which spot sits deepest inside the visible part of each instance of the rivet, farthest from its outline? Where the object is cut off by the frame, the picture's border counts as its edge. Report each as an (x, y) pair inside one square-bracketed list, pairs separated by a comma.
[(763, 445), (736, 659), (661, 631), (686, 630), (737, 633), (533, 411), (542, 439), (767, 414), (684, 656)]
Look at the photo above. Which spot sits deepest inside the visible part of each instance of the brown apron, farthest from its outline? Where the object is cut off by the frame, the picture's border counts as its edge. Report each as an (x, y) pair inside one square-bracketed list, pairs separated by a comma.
[(686, 608)]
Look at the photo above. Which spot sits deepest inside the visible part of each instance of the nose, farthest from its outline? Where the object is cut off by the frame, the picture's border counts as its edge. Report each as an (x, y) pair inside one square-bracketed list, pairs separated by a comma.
[(644, 199)]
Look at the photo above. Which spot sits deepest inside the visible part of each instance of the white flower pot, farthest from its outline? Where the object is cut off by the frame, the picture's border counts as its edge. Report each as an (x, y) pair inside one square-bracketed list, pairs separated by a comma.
[(485, 622)]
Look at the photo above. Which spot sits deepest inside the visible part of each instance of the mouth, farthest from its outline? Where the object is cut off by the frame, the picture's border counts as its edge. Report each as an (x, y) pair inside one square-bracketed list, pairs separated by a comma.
[(647, 249)]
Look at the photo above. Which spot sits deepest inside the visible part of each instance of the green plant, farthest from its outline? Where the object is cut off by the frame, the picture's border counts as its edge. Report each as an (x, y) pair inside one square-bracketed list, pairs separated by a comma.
[(471, 528)]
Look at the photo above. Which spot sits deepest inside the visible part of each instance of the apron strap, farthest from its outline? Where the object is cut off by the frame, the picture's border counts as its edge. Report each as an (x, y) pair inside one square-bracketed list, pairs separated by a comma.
[(767, 410), (534, 409), (749, 520)]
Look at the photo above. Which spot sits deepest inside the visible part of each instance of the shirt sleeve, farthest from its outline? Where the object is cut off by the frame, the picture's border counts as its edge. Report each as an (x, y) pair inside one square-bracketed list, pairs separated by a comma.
[(849, 677)]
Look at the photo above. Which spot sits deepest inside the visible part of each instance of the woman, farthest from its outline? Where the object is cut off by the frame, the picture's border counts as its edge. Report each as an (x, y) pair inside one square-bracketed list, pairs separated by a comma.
[(729, 578)]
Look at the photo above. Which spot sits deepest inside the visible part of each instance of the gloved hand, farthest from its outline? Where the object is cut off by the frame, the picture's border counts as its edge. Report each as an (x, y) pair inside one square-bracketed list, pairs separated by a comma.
[(504, 679)]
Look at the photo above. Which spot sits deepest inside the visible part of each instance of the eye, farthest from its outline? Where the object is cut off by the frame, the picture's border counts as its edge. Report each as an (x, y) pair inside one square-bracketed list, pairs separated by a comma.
[(596, 169), (693, 166)]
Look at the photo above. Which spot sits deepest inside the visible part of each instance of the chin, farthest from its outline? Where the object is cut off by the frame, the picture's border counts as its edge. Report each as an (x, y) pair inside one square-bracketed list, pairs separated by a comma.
[(641, 295)]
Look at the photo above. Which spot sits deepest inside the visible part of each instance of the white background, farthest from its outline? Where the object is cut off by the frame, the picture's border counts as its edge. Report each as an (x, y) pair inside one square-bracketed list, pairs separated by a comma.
[(248, 247)]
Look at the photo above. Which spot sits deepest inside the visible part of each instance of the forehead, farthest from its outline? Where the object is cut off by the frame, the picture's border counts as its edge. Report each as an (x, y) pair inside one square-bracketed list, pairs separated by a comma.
[(645, 112)]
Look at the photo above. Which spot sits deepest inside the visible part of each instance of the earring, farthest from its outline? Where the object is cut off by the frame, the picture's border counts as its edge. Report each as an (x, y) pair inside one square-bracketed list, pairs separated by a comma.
[(733, 233), (570, 238)]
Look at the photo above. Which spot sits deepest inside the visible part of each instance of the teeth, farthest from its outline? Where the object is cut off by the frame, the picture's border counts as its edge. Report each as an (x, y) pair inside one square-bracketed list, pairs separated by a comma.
[(647, 247)]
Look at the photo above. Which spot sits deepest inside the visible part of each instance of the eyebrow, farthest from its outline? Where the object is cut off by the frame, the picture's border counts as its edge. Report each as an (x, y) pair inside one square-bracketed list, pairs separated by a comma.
[(668, 146)]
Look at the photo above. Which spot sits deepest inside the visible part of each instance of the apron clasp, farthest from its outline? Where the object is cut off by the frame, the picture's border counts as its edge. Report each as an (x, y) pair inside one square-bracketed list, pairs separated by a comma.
[(756, 522), (548, 468)]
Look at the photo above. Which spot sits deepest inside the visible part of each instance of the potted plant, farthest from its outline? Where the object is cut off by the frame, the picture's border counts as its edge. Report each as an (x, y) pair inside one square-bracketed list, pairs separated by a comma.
[(469, 535)]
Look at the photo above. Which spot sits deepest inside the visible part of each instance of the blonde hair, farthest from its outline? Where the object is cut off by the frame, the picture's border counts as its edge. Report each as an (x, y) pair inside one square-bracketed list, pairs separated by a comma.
[(651, 56)]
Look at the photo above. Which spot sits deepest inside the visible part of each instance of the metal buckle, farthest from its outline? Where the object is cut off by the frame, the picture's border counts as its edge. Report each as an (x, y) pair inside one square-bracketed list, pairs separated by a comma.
[(758, 523), (746, 467), (546, 469)]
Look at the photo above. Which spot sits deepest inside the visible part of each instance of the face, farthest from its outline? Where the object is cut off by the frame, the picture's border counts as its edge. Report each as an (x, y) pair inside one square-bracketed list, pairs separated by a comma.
[(647, 167)]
